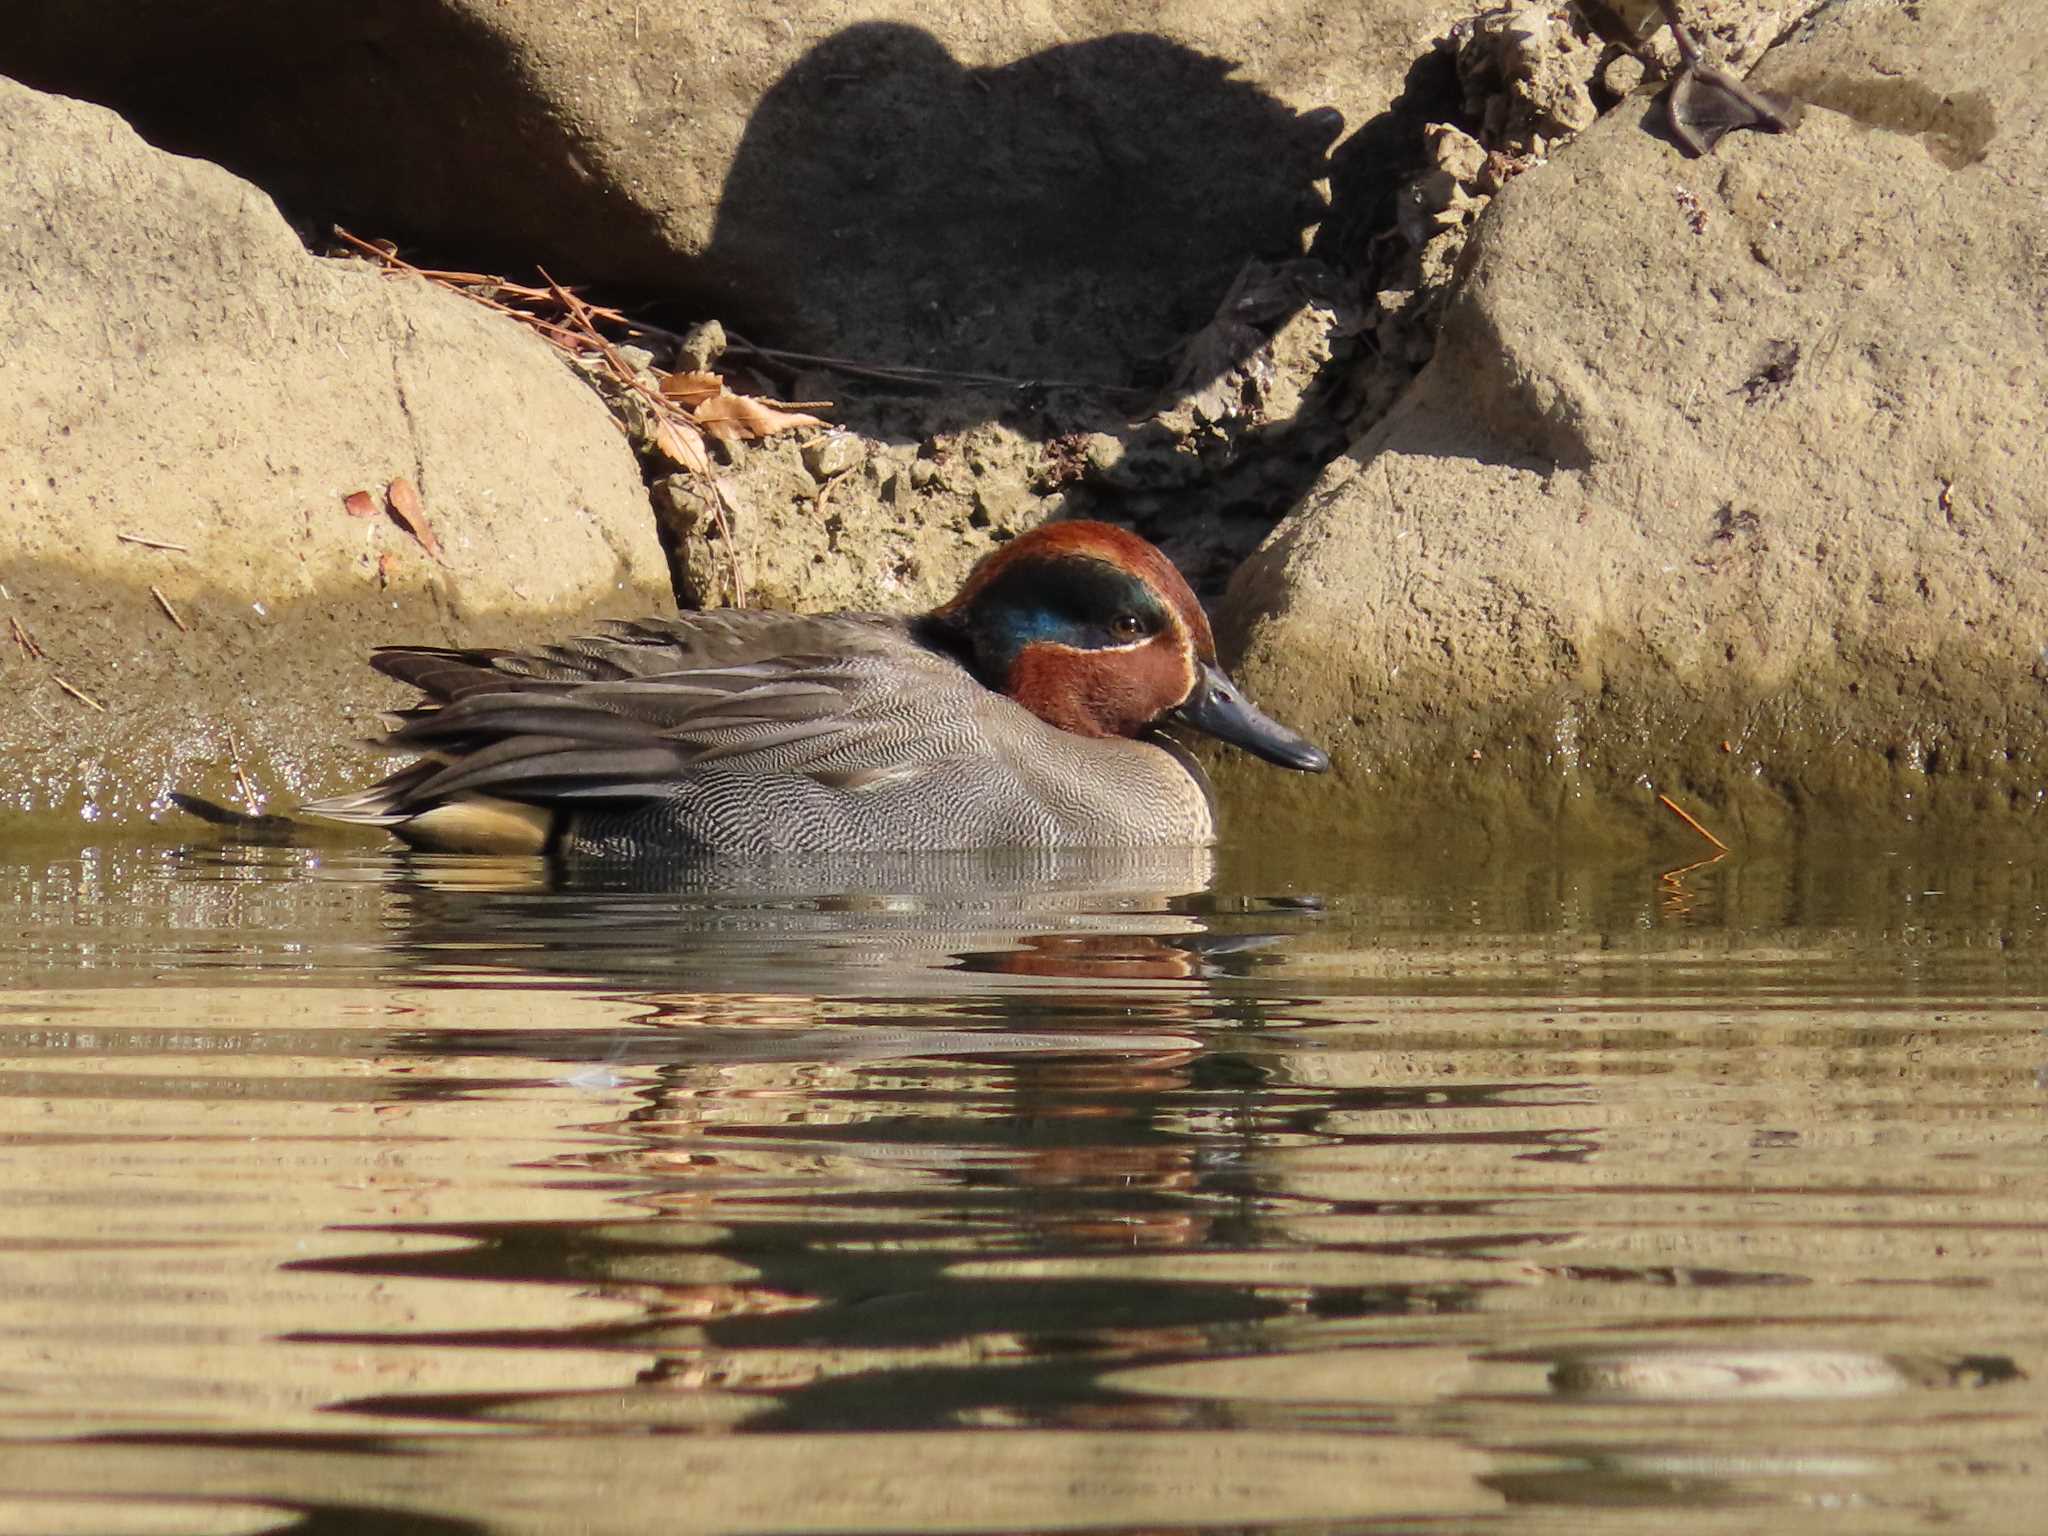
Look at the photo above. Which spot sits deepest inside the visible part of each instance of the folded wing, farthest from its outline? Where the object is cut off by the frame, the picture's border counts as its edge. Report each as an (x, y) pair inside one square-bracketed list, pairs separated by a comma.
[(622, 716)]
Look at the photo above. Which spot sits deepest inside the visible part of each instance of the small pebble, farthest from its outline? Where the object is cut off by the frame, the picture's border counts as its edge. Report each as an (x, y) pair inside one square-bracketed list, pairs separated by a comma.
[(1456, 152), (1622, 74), (701, 347), (831, 454), (1104, 451)]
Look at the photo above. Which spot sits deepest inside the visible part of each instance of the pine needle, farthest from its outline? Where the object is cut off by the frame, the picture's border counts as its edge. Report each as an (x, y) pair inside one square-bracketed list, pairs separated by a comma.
[(1675, 809)]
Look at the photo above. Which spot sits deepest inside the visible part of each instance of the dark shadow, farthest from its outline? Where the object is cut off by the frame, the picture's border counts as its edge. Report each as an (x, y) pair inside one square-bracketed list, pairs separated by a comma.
[(408, 121), (1074, 214), (1371, 166)]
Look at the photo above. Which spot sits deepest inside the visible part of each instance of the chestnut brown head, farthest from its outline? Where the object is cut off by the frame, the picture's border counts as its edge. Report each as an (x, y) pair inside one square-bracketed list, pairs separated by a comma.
[(1093, 630)]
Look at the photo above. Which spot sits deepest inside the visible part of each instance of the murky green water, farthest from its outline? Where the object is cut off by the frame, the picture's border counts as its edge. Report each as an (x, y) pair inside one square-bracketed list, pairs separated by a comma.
[(340, 1191)]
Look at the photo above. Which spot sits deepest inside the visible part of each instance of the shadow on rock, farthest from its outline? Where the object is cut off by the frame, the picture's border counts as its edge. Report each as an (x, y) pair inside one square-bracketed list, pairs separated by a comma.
[(1071, 215), (416, 121)]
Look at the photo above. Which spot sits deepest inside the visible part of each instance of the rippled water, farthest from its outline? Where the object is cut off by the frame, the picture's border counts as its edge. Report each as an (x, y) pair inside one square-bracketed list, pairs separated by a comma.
[(340, 1191)]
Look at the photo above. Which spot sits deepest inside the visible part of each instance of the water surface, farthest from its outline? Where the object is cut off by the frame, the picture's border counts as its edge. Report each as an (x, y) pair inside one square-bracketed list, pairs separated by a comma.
[(341, 1190)]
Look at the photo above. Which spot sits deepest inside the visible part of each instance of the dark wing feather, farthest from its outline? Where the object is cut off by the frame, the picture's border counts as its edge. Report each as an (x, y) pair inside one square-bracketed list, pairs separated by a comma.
[(625, 714), (641, 648)]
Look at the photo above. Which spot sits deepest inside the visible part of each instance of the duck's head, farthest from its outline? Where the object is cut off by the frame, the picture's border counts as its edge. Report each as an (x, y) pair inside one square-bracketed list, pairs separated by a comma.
[(1093, 630)]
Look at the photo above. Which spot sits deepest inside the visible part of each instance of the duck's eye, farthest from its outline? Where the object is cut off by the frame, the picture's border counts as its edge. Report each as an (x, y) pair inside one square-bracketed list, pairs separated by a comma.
[(1127, 626)]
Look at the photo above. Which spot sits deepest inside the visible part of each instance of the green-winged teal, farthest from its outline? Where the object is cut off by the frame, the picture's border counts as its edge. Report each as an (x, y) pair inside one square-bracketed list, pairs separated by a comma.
[(1023, 713)]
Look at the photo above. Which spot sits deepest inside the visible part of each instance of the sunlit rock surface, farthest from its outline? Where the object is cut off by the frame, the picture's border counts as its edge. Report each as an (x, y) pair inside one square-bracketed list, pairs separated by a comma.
[(1725, 479), (186, 399)]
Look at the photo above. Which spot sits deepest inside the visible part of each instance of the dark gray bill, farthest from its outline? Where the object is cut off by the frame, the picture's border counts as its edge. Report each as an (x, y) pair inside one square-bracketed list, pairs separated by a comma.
[(1220, 708)]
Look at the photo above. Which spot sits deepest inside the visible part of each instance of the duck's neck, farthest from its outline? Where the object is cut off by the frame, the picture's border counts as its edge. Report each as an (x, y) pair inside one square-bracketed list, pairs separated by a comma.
[(949, 637)]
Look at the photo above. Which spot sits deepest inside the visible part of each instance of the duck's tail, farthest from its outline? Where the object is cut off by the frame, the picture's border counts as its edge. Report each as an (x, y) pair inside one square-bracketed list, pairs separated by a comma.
[(381, 804), (465, 823), (246, 825)]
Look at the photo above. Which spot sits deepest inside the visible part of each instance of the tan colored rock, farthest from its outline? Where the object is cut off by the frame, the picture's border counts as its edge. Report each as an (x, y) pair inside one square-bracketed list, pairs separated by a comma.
[(1726, 479), (1060, 187), (174, 367)]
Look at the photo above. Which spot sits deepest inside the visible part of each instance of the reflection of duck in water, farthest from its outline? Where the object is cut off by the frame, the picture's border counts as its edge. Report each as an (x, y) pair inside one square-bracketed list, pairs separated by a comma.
[(1705, 103), (945, 924), (1023, 713)]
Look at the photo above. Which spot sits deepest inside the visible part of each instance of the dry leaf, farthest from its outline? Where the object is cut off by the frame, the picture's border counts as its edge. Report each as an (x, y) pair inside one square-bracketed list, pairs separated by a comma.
[(732, 418), (407, 512), (692, 389), (359, 504), (682, 443), (729, 417)]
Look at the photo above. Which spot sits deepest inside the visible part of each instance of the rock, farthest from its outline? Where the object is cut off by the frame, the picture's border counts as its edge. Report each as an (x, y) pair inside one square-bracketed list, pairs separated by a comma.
[(701, 347), (1746, 450), (1457, 154), (178, 369), (1622, 74), (831, 454), (783, 165)]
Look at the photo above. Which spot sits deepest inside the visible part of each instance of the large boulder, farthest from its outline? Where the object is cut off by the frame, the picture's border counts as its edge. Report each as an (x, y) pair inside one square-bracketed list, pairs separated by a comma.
[(1031, 191), (186, 398), (1726, 479)]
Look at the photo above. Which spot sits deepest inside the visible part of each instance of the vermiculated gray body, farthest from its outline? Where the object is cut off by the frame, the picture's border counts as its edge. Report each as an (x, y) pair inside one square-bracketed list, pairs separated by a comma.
[(754, 733), (1085, 801)]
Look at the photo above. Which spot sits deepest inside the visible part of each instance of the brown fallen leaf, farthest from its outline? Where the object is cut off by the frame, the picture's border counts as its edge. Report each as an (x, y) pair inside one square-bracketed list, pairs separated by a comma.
[(692, 389), (730, 417), (735, 418), (359, 504), (407, 512), (681, 441)]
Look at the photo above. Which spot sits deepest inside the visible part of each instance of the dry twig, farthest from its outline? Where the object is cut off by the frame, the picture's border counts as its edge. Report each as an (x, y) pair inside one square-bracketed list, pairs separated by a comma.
[(25, 640), (897, 373), (241, 778), (165, 604), (78, 693), (1673, 807), (825, 492), (146, 543)]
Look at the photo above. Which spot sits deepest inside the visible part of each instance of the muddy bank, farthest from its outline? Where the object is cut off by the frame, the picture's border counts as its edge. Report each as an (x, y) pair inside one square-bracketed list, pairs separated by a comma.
[(252, 702)]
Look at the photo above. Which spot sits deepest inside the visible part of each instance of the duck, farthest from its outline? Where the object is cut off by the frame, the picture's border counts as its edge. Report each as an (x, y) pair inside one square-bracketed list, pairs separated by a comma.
[(1029, 711)]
